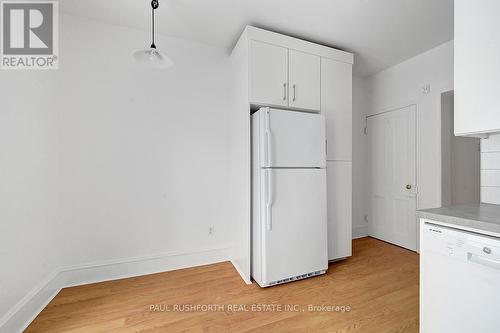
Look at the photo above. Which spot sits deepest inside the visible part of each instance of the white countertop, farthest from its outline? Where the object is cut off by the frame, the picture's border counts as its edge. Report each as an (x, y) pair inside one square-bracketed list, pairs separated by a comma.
[(480, 218)]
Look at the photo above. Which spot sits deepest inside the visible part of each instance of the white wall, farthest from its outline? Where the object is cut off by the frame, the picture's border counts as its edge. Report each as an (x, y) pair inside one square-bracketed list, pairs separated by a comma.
[(401, 85), (490, 170), (145, 152), (359, 157), (446, 142), (29, 183), (460, 158), (103, 160)]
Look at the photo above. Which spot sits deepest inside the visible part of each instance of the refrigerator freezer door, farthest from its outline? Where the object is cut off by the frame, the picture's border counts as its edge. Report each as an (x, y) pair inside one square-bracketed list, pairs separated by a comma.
[(292, 139), (294, 223)]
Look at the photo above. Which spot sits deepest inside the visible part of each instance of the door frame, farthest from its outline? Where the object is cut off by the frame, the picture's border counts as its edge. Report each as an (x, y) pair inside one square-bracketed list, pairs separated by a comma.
[(417, 160)]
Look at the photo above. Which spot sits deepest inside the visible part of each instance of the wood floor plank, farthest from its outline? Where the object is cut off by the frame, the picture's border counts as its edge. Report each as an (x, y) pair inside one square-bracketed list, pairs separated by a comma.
[(379, 284)]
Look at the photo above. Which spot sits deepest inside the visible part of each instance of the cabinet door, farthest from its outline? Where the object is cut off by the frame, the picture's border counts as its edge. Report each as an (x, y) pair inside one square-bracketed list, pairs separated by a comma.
[(305, 80), (477, 67), (268, 74), (339, 203), (336, 104)]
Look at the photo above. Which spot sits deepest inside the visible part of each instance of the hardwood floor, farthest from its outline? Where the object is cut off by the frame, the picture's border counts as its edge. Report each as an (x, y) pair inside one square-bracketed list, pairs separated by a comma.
[(379, 284)]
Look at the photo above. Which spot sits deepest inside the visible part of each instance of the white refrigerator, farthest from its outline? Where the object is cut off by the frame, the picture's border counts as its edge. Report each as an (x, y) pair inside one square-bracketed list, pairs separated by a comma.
[(289, 219)]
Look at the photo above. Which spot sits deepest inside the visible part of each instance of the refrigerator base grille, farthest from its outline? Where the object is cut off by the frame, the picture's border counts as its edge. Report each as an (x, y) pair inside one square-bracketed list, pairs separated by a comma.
[(296, 278)]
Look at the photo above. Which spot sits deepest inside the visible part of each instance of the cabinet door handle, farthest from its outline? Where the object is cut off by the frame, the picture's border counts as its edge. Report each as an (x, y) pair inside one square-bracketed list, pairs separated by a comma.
[(284, 91), (294, 92)]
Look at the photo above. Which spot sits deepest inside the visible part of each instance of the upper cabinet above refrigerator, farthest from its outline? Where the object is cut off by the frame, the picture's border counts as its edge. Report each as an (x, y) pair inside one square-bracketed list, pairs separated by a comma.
[(304, 89), (477, 67), (285, 72), (268, 74), (283, 77)]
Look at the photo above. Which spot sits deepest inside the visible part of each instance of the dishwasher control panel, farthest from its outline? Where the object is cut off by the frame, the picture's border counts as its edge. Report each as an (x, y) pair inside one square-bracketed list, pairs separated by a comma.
[(461, 244)]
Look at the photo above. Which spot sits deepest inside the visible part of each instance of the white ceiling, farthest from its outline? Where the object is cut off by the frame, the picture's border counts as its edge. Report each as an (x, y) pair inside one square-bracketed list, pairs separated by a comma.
[(381, 33)]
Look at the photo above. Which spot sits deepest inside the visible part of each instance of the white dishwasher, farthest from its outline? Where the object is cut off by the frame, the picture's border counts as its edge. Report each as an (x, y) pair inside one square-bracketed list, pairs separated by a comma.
[(459, 281)]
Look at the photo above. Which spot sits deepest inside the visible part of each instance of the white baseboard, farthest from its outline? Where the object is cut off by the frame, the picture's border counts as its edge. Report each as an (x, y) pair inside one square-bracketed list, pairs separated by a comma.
[(238, 269), (124, 268), (359, 231), (26, 310)]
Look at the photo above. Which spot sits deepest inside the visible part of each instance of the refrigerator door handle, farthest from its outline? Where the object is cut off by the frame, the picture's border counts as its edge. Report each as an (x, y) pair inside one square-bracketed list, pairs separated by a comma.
[(269, 201), (268, 138)]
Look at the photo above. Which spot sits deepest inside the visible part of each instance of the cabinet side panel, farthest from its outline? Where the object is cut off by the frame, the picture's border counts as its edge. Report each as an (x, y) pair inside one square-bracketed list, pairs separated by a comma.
[(240, 177)]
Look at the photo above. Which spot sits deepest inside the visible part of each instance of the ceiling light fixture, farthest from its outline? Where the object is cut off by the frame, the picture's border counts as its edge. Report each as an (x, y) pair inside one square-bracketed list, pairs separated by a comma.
[(152, 57)]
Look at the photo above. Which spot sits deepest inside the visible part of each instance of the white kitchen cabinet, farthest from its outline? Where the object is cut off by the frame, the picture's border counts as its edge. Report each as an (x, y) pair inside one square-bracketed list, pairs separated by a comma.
[(477, 67), (268, 74), (285, 77), (261, 63), (336, 105), (339, 206), (304, 73)]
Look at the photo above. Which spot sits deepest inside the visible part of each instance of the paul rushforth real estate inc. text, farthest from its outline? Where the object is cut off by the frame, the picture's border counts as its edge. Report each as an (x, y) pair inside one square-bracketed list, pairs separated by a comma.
[(256, 307)]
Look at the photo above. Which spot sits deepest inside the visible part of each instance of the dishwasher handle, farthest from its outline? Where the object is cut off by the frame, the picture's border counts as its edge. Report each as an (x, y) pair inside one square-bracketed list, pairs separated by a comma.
[(483, 261)]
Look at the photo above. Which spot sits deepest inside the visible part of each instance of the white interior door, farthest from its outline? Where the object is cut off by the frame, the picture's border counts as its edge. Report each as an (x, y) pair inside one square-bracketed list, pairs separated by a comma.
[(305, 80), (292, 139), (392, 167), (295, 231), (268, 74)]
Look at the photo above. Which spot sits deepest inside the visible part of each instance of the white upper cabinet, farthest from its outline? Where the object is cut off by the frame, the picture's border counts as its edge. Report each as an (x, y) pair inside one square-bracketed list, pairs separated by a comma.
[(304, 88), (286, 72), (336, 104), (268, 74), (477, 67)]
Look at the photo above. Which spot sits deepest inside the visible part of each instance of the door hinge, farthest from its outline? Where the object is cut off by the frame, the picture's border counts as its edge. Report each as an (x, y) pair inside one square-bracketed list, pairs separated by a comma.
[(365, 131)]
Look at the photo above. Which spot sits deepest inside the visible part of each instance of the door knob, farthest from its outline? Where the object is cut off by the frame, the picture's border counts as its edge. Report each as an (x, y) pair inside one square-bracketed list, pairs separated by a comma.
[(408, 187)]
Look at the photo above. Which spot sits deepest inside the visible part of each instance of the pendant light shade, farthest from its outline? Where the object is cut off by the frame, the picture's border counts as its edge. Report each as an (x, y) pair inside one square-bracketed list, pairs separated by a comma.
[(152, 57)]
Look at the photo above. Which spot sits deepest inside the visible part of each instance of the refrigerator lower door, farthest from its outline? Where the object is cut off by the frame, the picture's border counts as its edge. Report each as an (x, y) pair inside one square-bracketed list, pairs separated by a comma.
[(294, 230), (292, 139)]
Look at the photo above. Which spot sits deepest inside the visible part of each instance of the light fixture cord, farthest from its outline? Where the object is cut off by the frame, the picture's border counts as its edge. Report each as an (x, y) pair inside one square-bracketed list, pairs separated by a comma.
[(154, 6)]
